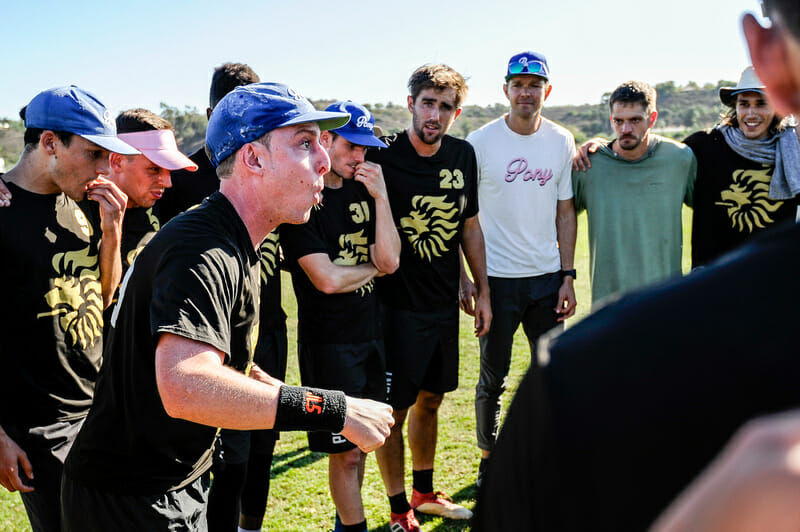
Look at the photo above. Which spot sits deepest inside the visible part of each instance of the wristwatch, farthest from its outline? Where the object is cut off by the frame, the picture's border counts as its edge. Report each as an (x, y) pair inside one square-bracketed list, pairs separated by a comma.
[(571, 273)]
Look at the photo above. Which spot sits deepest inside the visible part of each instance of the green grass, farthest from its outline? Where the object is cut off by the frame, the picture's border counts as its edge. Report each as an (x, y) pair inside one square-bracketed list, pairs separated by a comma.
[(299, 498)]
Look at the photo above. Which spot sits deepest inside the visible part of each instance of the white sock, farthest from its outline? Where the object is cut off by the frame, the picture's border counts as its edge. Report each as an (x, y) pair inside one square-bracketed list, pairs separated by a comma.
[(240, 529)]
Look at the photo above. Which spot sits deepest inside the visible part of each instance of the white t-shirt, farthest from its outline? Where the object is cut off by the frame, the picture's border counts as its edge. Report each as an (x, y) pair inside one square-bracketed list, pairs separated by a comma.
[(520, 179)]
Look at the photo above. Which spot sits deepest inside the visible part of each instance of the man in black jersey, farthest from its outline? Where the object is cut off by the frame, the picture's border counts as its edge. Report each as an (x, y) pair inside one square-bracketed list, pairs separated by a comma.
[(639, 397), (178, 361), (334, 258), (59, 240), (242, 459), (431, 179), (143, 177)]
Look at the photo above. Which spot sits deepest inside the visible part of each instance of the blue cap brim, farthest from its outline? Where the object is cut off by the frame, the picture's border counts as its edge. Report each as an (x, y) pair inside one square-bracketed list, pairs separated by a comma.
[(362, 139), (509, 76), (112, 144), (325, 119)]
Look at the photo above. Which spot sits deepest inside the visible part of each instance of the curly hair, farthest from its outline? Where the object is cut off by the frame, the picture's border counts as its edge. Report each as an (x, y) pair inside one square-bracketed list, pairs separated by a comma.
[(634, 92)]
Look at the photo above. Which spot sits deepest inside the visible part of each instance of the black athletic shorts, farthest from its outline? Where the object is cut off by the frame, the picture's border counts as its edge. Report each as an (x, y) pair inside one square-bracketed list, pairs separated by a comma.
[(356, 369), (421, 353), (84, 509)]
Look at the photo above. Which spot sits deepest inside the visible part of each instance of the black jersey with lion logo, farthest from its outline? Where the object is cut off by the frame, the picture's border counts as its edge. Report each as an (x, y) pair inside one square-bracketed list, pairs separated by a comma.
[(430, 199)]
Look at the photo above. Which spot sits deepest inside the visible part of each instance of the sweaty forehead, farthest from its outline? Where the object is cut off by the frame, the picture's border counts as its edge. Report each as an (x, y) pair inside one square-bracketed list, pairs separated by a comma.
[(751, 95), (628, 109), (527, 79), (299, 129), (446, 95)]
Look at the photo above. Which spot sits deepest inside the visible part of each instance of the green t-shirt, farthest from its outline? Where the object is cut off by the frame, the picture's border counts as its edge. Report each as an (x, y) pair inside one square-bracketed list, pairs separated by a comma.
[(634, 210)]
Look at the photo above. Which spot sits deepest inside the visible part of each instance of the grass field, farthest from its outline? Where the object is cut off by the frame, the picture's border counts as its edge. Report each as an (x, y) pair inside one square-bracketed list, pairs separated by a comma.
[(299, 498)]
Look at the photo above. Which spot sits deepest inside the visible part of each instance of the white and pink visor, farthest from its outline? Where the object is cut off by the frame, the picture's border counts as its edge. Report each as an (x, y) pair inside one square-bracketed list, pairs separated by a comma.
[(159, 146)]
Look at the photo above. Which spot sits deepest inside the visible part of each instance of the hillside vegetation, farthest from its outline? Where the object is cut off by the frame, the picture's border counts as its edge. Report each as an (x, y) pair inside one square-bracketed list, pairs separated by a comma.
[(682, 109)]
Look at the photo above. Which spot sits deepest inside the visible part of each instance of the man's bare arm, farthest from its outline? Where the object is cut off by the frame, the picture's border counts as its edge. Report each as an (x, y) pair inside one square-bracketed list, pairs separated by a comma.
[(475, 252), (566, 230), (194, 385), (385, 253), (330, 278), (112, 209)]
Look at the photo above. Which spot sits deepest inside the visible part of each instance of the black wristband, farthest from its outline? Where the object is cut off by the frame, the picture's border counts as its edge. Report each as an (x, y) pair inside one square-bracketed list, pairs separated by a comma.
[(301, 408), (570, 273)]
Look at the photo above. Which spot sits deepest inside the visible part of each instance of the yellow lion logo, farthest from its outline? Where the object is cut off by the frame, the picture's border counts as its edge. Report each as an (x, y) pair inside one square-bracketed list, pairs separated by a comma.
[(269, 257), (354, 249), (431, 224), (747, 199), (77, 296)]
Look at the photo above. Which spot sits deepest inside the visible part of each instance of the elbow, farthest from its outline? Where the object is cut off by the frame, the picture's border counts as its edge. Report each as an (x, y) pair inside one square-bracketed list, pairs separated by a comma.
[(389, 265), (174, 396), (326, 286)]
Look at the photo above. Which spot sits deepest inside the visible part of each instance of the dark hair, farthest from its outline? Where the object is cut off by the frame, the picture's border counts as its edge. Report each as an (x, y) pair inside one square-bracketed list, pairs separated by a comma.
[(33, 134), (437, 77), (634, 92), (787, 12), (227, 77), (134, 120)]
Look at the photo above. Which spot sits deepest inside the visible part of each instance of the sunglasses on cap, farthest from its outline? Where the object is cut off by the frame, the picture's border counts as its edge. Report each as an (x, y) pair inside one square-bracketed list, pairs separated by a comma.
[(531, 67)]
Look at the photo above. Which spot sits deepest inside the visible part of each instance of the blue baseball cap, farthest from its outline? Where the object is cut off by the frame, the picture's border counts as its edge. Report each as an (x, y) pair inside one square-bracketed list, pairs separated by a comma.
[(77, 111), (251, 111), (528, 63), (360, 129)]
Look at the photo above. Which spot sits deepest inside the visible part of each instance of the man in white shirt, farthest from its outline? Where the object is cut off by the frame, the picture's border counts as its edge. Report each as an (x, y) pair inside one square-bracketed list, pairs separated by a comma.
[(528, 216)]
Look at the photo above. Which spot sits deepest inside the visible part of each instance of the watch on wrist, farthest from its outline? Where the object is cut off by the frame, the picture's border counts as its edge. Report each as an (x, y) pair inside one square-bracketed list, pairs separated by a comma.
[(571, 273)]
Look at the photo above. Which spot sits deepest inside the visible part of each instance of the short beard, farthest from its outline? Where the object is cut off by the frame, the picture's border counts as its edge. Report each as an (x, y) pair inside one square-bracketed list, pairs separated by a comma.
[(421, 135)]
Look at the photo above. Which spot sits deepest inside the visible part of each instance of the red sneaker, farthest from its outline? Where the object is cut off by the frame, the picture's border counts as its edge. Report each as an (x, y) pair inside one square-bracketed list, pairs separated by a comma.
[(437, 503), (406, 522)]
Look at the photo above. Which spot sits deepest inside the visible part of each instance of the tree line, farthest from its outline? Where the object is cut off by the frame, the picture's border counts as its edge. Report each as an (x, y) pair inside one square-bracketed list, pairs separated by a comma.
[(682, 110)]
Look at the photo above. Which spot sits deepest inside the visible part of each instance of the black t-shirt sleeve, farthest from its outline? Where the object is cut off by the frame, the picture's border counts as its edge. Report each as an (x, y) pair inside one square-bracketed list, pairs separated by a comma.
[(301, 240), (472, 191), (193, 297)]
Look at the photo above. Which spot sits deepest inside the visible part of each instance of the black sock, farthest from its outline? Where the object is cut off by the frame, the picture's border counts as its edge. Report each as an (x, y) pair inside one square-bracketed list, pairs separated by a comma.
[(482, 465), (423, 480), (358, 527), (399, 503)]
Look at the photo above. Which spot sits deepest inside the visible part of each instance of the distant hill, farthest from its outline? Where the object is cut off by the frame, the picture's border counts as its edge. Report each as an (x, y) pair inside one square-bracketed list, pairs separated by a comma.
[(682, 109)]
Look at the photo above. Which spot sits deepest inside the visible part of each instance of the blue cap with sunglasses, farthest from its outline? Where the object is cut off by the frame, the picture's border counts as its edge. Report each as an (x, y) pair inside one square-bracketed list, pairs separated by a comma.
[(251, 111), (360, 130), (528, 63)]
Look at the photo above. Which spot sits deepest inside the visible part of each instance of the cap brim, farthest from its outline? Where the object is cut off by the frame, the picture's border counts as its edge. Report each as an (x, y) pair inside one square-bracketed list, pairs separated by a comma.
[(363, 139), (727, 94), (326, 119), (112, 144), (171, 160), (509, 76)]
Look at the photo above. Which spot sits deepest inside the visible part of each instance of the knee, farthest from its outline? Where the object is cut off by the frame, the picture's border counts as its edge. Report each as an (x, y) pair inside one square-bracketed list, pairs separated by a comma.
[(429, 402), (349, 459)]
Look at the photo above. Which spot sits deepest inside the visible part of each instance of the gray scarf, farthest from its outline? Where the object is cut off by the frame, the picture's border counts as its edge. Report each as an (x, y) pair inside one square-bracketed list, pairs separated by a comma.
[(781, 150)]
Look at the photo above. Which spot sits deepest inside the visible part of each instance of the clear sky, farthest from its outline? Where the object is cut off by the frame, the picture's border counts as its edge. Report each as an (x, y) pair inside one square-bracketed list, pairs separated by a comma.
[(141, 53)]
